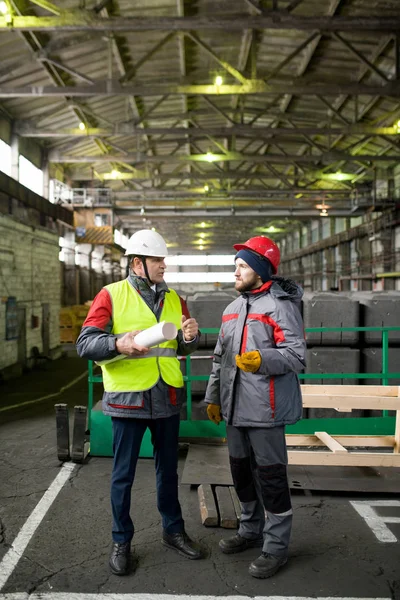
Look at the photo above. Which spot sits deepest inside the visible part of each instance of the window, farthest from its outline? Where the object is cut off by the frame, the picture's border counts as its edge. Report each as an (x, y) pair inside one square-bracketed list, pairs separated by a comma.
[(5, 158), (30, 176), (100, 219), (11, 318)]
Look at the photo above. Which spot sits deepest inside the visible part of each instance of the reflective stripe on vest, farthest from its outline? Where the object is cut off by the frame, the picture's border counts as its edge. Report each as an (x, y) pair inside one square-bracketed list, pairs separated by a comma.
[(131, 313)]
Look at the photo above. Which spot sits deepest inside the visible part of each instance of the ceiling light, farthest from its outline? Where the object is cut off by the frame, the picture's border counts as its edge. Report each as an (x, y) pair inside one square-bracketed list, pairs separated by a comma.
[(339, 176), (115, 174), (82, 126), (206, 187), (397, 126), (323, 213), (201, 247), (218, 80), (202, 224), (3, 8)]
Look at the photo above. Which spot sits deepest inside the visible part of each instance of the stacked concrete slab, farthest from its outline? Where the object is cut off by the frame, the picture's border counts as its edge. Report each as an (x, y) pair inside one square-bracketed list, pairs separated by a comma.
[(330, 310), (207, 309), (334, 351), (379, 309)]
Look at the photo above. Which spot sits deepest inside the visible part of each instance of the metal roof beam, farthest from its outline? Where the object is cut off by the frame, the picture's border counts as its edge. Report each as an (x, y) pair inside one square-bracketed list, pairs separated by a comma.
[(54, 156), (132, 70), (85, 20), (298, 87), (249, 192), (294, 4), (56, 10), (227, 212), (224, 64), (360, 56)]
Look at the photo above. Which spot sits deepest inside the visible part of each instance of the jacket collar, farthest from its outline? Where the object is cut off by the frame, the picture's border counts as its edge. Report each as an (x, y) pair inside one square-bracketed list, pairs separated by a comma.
[(264, 288)]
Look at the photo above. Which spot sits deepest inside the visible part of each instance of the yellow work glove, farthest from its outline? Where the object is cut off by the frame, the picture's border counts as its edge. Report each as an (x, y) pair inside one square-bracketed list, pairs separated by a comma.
[(249, 361), (214, 413)]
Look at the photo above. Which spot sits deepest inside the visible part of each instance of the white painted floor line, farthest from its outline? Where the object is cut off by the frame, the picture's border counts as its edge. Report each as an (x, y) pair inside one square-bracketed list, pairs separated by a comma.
[(111, 596), (10, 560), (377, 523)]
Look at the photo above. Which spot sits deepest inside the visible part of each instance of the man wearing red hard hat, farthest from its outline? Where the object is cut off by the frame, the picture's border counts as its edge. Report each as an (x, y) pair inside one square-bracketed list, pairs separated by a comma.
[(255, 388)]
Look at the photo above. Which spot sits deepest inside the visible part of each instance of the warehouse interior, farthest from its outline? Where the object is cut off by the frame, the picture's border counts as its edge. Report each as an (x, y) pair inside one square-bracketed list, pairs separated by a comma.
[(209, 122)]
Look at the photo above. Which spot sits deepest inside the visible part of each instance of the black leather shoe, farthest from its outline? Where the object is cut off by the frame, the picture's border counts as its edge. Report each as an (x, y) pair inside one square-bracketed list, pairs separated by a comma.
[(266, 565), (237, 543), (120, 559), (182, 543)]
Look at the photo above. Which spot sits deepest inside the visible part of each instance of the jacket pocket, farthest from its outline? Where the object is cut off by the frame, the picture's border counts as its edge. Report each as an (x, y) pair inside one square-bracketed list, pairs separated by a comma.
[(126, 401)]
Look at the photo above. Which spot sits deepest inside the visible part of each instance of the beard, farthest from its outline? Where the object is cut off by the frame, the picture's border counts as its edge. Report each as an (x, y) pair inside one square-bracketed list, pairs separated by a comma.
[(247, 286)]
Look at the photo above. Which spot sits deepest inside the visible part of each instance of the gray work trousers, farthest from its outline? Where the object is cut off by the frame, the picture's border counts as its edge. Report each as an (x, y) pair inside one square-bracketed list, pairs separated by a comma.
[(258, 460)]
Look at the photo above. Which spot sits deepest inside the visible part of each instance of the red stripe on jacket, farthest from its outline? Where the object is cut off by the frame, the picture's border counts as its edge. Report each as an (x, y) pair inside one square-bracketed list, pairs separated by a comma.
[(272, 395), (279, 336), (229, 317)]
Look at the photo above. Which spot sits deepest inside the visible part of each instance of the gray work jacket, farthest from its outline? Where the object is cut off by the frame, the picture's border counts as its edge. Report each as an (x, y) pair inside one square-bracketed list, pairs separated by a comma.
[(269, 321)]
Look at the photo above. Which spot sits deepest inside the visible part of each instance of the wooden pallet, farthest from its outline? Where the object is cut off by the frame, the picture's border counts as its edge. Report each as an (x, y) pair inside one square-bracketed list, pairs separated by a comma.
[(345, 398)]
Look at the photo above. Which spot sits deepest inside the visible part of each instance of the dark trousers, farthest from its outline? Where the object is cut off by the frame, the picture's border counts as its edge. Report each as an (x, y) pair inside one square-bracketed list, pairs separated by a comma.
[(127, 438), (258, 460)]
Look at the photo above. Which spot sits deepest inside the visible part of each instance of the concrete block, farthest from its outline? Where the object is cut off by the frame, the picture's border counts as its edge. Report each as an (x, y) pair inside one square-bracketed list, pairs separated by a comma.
[(371, 362), (207, 309), (332, 360), (379, 309), (330, 310)]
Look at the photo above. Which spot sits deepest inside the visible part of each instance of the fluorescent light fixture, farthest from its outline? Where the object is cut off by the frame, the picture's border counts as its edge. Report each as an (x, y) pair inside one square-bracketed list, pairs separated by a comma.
[(199, 277), (210, 157), (206, 187), (200, 260), (82, 126), (218, 80), (339, 176), (3, 8)]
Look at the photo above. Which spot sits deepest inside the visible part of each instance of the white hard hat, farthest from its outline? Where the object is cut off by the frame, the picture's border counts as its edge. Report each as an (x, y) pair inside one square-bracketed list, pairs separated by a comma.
[(146, 242)]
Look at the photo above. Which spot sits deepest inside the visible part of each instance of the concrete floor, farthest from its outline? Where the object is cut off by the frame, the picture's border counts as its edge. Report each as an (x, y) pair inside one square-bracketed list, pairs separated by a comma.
[(333, 552)]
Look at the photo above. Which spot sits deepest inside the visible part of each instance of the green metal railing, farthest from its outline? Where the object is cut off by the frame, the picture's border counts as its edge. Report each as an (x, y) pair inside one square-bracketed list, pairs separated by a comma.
[(383, 425)]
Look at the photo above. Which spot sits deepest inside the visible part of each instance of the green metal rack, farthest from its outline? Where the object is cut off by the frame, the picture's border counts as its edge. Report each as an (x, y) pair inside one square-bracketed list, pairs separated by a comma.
[(99, 425)]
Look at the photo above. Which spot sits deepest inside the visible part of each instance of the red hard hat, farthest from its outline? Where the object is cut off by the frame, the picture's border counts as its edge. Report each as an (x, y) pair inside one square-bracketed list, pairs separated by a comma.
[(265, 247)]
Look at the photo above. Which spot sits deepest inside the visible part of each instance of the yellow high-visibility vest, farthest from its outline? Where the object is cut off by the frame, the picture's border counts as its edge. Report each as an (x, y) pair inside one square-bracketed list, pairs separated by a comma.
[(131, 313)]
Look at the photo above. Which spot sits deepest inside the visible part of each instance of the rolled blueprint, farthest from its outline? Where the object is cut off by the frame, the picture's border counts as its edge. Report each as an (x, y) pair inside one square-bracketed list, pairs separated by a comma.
[(162, 332)]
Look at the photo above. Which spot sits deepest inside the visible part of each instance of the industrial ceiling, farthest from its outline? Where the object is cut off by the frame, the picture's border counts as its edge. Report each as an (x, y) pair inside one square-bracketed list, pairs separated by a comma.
[(229, 118)]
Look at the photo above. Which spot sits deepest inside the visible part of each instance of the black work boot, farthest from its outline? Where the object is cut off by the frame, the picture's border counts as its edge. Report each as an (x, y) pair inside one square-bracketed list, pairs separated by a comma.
[(182, 543), (120, 558), (266, 565), (237, 543)]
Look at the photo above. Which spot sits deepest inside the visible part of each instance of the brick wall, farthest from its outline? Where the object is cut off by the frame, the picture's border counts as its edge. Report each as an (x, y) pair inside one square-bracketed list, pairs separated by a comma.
[(30, 271)]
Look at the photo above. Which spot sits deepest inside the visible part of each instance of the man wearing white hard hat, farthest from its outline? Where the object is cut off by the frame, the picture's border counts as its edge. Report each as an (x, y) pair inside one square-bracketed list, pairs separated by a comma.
[(143, 390)]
